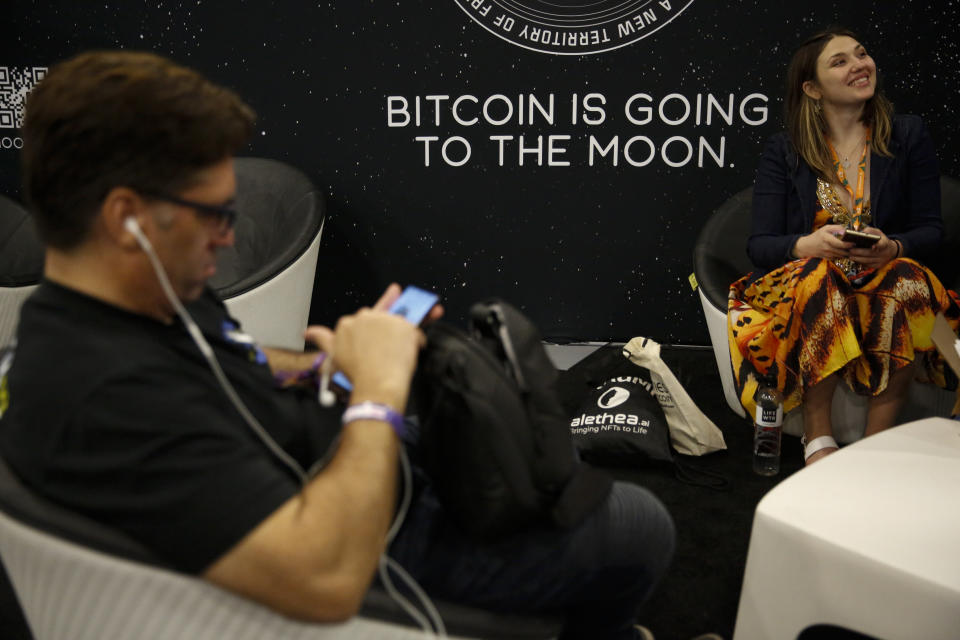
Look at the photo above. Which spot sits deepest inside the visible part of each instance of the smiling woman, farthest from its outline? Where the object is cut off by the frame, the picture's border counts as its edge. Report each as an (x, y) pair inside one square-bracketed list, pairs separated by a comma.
[(820, 308), (846, 74)]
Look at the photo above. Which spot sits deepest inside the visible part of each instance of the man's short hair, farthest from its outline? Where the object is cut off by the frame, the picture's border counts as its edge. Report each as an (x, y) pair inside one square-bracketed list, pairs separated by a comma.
[(116, 118)]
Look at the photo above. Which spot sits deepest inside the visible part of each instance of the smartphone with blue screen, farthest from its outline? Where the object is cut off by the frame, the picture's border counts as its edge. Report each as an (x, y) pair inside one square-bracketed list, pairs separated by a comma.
[(413, 304)]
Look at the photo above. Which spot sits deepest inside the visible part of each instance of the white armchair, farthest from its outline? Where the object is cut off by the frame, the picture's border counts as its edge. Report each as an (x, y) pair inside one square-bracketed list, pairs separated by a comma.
[(266, 278)]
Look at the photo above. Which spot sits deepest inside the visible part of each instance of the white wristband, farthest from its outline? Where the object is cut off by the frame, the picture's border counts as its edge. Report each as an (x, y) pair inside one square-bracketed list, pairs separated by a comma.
[(375, 411)]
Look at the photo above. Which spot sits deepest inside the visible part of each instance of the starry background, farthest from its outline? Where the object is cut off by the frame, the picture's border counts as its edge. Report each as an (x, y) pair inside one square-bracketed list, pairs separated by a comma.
[(596, 252)]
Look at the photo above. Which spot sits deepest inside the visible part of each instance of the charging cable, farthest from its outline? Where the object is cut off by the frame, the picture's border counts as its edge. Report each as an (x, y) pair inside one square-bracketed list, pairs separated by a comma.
[(387, 563), (328, 398)]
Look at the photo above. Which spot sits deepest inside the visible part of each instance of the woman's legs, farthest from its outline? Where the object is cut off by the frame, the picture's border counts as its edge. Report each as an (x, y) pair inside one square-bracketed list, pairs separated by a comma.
[(884, 407), (881, 412), (816, 407)]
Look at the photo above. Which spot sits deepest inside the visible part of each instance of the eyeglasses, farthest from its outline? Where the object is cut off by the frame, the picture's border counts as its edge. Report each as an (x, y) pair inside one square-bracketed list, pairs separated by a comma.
[(223, 217)]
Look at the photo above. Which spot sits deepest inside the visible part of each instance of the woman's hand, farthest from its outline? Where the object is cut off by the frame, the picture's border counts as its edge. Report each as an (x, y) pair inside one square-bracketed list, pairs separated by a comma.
[(882, 252), (825, 242)]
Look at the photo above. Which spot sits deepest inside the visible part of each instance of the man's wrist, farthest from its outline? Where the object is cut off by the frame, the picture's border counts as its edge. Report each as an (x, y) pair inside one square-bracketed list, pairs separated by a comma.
[(309, 374), (375, 411), (391, 391)]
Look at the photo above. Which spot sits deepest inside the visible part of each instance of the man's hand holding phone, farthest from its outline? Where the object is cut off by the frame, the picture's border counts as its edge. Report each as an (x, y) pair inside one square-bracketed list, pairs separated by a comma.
[(415, 305)]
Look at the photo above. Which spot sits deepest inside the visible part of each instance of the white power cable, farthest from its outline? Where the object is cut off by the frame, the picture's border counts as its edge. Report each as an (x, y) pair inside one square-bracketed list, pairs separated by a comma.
[(387, 563)]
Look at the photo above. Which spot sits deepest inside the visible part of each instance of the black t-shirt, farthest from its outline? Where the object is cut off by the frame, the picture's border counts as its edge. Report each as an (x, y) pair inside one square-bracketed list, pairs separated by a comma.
[(119, 417)]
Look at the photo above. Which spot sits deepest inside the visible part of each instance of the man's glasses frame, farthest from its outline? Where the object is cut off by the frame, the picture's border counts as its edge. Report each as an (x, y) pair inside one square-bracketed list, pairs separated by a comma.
[(225, 217)]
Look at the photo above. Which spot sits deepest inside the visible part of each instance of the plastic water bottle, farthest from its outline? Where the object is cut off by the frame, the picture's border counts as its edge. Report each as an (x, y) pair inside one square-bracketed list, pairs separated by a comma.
[(767, 425)]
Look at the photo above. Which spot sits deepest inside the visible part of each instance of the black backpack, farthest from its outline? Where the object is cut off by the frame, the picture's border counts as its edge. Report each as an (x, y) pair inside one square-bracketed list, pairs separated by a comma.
[(495, 437)]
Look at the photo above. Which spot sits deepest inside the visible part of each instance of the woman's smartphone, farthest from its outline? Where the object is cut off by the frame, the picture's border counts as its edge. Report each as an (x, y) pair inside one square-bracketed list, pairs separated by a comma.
[(859, 238), (413, 304)]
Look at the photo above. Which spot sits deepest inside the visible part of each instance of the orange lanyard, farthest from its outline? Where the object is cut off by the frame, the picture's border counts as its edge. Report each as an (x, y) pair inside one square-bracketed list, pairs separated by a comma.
[(861, 178)]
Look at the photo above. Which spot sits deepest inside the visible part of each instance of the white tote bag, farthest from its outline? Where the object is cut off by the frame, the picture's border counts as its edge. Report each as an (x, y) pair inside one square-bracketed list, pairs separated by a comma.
[(691, 432)]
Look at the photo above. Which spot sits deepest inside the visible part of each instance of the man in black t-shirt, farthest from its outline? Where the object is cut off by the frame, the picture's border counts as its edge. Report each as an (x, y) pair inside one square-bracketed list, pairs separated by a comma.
[(128, 170)]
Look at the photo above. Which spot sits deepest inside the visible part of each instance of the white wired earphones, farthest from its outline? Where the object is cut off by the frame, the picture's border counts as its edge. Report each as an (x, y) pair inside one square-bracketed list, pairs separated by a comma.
[(325, 395), (326, 398), (131, 225)]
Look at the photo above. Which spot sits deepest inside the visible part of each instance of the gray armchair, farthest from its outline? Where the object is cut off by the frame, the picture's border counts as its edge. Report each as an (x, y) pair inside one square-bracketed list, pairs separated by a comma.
[(78, 580), (21, 264)]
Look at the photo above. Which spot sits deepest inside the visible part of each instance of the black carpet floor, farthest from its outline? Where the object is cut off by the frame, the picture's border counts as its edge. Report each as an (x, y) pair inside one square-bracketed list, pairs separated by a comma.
[(701, 591)]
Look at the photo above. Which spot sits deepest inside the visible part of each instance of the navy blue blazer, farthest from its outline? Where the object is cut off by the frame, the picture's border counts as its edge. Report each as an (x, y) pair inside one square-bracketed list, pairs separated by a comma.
[(904, 196)]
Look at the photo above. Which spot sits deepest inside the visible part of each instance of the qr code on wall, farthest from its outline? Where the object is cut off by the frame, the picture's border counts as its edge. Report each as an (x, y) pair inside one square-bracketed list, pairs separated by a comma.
[(15, 84)]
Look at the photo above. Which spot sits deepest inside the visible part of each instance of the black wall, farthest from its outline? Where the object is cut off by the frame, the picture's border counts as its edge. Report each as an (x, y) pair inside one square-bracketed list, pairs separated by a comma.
[(599, 251)]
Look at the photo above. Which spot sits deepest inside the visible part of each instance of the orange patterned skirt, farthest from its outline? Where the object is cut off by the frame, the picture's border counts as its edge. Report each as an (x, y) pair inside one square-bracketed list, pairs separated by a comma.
[(804, 321)]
